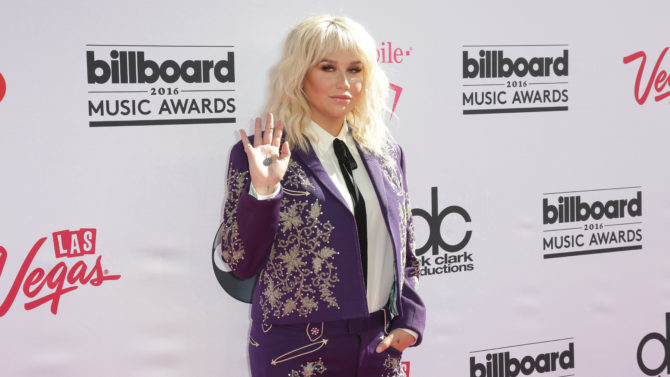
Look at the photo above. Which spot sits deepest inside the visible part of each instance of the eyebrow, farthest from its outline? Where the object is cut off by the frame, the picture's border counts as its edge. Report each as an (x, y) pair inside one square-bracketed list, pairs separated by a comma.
[(335, 61)]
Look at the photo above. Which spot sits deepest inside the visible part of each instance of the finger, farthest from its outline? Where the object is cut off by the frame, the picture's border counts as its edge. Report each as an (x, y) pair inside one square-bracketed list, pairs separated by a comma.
[(279, 130), (269, 127), (257, 132), (285, 151), (245, 141), (385, 343)]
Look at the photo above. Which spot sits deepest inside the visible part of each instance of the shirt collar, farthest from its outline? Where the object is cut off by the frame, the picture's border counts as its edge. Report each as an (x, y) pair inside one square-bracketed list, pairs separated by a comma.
[(323, 141)]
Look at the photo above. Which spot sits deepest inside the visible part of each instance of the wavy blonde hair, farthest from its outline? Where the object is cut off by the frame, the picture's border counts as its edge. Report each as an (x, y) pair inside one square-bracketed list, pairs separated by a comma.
[(306, 45)]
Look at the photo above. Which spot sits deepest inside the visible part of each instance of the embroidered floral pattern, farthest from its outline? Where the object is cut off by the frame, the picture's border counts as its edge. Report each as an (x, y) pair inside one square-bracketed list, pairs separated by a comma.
[(300, 271), (309, 369), (391, 167), (412, 262), (232, 247), (295, 177), (393, 369)]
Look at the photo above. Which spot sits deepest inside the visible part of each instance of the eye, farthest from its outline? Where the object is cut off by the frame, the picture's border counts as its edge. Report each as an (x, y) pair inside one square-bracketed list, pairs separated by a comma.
[(355, 69), (327, 68)]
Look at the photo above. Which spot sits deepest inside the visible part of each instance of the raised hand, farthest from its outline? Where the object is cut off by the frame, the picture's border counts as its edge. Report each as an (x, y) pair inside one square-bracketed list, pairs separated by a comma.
[(267, 163)]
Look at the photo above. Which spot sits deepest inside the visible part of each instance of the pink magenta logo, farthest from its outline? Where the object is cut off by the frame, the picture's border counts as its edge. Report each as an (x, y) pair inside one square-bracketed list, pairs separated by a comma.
[(397, 90), (659, 79), (3, 87), (404, 366), (62, 278), (388, 54)]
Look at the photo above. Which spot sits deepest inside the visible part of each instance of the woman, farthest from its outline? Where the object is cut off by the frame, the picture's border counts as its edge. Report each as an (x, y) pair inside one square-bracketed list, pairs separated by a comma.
[(318, 207)]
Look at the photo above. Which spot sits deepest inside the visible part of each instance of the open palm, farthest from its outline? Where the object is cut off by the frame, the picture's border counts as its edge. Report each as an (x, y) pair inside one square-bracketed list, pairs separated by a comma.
[(267, 160)]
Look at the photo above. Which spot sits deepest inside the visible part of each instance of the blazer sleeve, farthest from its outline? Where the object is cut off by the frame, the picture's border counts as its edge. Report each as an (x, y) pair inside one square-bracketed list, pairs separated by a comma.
[(250, 224), (412, 309)]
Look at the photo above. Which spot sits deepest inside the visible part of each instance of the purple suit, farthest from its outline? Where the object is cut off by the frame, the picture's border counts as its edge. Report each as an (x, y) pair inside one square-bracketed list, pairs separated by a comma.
[(304, 243)]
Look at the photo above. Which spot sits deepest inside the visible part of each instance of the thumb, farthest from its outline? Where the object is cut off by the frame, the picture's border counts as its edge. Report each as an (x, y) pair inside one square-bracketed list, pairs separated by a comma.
[(385, 343)]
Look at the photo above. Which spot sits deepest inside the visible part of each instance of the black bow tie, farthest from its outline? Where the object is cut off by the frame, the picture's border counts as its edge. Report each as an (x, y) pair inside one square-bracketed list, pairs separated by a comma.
[(343, 154)]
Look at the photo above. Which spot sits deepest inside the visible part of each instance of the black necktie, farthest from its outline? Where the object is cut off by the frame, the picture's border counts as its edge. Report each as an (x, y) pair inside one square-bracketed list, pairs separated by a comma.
[(347, 165)]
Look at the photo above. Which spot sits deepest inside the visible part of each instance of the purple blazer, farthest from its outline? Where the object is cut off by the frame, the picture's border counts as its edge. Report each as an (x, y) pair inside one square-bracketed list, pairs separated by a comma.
[(304, 242)]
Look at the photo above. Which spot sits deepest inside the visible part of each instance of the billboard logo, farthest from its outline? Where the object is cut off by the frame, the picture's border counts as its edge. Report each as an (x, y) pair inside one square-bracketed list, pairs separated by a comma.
[(514, 78), (156, 85), (538, 358), (591, 221)]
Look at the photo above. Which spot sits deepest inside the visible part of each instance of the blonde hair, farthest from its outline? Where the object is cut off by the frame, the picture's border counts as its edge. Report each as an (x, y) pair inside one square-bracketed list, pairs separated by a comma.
[(307, 44)]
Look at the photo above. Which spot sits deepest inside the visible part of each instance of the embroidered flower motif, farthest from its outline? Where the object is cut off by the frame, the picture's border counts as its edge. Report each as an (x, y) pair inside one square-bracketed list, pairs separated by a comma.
[(309, 369), (292, 260), (289, 218), (392, 365), (314, 331), (289, 306), (272, 294)]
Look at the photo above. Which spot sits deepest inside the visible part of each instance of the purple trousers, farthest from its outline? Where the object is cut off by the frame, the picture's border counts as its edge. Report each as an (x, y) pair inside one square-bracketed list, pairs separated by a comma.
[(343, 348)]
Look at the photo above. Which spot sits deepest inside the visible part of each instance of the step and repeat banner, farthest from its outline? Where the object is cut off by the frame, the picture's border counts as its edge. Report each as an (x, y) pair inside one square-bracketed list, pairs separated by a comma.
[(536, 137)]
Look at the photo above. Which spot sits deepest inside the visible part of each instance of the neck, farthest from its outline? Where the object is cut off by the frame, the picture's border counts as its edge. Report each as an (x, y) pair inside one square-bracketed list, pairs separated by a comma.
[(333, 127)]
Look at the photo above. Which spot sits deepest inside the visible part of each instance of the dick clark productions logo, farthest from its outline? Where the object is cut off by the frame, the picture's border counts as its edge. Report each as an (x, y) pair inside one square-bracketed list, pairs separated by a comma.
[(79, 245), (457, 259), (665, 343)]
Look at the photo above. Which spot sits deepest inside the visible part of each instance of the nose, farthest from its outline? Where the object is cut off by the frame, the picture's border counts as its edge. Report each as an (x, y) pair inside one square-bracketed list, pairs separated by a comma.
[(343, 81)]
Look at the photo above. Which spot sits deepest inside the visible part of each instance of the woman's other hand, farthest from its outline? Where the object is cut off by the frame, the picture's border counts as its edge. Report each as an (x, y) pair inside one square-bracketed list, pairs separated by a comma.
[(398, 339), (267, 162)]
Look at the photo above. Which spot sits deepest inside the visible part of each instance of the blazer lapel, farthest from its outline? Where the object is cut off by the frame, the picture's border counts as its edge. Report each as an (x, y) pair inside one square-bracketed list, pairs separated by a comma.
[(312, 163)]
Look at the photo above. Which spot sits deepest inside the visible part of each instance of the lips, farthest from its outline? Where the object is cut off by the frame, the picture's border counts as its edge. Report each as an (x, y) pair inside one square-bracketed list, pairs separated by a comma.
[(343, 98)]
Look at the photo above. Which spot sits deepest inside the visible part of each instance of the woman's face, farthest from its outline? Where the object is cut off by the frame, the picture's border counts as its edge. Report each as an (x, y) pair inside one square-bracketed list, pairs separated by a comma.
[(333, 87)]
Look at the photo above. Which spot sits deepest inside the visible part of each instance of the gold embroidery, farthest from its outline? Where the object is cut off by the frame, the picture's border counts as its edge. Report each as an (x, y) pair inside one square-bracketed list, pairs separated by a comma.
[(300, 351), (300, 271), (391, 167), (232, 247), (403, 241), (314, 332), (310, 369), (295, 177), (295, 192), (413, 263), (253, 342), (392, 365)]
